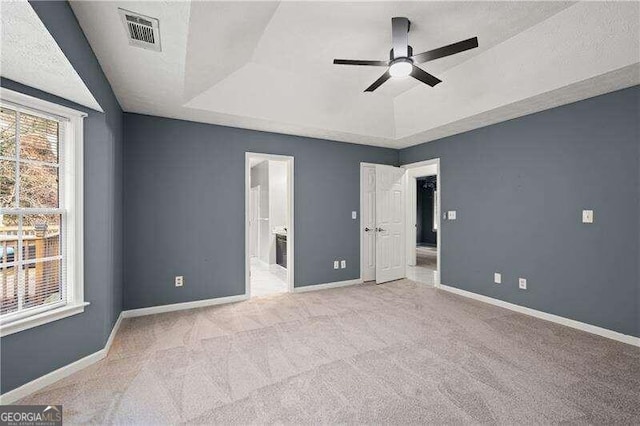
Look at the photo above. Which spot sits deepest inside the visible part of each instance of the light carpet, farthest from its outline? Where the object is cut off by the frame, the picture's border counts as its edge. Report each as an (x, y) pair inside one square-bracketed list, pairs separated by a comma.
[(427, 257), (401, 353)]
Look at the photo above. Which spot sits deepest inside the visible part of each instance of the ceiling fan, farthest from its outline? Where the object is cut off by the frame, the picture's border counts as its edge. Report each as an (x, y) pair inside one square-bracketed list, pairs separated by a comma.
[(402, 61)]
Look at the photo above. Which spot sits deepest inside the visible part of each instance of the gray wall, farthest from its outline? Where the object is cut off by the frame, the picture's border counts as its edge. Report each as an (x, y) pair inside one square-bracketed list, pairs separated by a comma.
[(519, 188), (32, 353), (184, 204)]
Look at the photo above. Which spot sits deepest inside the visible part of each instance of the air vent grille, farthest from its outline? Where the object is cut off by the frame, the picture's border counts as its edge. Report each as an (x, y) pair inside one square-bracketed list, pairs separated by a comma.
[(142, 31)]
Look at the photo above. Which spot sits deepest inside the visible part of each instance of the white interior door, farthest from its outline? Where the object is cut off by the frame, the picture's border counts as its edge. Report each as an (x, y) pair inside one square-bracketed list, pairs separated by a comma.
[(391, 224), (368, 222), (254, 221)]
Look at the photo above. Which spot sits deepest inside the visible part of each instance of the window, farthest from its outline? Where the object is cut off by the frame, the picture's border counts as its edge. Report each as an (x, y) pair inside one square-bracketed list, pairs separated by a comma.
[(41, 267)]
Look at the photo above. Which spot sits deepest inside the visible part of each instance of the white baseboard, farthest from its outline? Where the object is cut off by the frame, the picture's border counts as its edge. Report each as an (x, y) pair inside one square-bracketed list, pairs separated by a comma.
[(603, 332), (114, 331), (62, 372), (181, 306), (326, 286)]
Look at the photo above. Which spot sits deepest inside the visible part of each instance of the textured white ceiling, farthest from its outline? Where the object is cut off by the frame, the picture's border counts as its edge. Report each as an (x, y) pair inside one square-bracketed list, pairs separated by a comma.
[(268, 65), (30, 55)]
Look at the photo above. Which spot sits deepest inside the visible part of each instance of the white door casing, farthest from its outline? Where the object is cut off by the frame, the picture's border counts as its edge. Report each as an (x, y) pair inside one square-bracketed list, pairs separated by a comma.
[(368, 221), (390, 223), (425, 168), (249, 157)]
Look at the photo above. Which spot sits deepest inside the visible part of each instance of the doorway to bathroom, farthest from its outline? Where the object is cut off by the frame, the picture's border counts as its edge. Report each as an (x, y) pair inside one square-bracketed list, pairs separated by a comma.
[(269, 224)]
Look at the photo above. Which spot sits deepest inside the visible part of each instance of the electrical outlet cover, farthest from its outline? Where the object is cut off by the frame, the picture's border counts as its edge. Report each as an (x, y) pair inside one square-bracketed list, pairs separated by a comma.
[(522, 283), (343, 264), (336, 264), (497, 278)]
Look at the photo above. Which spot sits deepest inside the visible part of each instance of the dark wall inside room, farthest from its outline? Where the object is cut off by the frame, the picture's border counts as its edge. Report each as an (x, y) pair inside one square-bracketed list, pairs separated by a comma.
[(425, 233), (538, 173), (32, 353), (184, 204)]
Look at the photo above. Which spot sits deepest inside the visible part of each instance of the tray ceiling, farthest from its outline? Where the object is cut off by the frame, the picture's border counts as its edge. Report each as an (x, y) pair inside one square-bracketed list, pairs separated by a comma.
[(31, 56), (268, 65)]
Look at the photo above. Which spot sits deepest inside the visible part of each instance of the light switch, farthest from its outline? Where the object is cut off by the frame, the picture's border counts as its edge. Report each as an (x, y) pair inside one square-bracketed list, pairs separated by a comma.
[(497, 278), (354, 215), (587, 216), (451, 215)]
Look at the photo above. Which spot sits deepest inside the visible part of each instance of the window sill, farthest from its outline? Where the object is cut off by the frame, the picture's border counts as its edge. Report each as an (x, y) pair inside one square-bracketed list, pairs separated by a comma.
[(42, 318)]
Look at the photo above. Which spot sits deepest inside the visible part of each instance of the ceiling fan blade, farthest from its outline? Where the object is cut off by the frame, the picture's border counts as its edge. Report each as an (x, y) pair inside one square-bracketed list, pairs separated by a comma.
[(424, 76), (400, 37), (451, 49), (360, 62), (384, 77)]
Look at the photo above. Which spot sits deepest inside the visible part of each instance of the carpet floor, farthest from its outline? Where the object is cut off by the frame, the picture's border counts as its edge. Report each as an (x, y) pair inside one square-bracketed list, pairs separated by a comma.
[(427, 257), (396, 353)]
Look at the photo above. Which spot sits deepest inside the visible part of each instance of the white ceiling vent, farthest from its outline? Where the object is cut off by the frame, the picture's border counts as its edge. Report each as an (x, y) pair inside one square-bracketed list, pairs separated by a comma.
[(142, 31)]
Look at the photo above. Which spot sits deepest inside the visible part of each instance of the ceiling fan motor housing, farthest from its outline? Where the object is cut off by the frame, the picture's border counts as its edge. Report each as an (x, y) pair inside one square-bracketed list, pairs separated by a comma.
[(409, 51)]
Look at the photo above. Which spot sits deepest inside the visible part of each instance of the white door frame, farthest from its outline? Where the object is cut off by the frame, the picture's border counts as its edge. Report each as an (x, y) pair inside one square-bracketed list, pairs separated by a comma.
[(290, 216), (411, 242)]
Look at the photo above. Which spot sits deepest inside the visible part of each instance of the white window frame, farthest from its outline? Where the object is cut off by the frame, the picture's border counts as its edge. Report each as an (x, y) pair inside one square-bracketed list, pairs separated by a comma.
[(71, 181)]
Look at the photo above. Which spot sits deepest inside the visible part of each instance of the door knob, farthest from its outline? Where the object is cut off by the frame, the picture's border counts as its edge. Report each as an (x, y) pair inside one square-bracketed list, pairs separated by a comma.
[(367, 229), (380, 230)]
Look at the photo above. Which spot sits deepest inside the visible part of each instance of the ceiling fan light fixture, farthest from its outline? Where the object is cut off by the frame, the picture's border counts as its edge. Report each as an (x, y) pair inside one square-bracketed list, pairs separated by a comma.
[(401, 68), (402, 61)]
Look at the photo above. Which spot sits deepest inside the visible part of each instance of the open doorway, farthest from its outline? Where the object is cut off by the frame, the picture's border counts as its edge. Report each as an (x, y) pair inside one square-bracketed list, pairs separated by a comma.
[(426, 230), (423, 222), (269, 224)]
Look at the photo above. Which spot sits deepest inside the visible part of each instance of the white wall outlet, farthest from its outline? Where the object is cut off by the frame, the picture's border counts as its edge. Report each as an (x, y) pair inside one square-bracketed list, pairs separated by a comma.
[(451, 215), (336, 264), (587, 216), (497, 278), (354, 214), (343, 264), (522, 283), (179, 280)]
